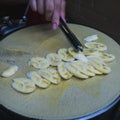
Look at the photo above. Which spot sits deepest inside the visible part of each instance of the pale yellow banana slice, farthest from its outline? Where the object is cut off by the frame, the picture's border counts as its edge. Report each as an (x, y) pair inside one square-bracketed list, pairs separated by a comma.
[(92, 69), (96, 46), (72, 51), (87, 51), (91, 38), (64, 73), (54, 59), (39, 62), (77, 55), (99, 64), (75, 71), (38, 80), (23, 85), (79, 65), (91, 52), (106, 57), (10, 71), (64, 54), (45, 73), (55, 74)]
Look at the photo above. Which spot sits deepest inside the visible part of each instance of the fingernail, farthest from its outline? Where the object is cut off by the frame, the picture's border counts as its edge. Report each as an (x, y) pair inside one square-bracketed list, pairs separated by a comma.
[(55, 26)]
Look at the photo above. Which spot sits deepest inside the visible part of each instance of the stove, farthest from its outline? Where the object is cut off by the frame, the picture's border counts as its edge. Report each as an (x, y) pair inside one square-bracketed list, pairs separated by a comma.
[(9, 25)]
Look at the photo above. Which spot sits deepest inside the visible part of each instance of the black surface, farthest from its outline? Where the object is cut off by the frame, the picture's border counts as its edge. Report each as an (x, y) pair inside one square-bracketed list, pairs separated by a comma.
[(112, 114), (102, 15)]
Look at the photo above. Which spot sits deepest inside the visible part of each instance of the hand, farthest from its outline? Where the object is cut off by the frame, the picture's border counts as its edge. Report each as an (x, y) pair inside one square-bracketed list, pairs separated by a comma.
[(52, 9)]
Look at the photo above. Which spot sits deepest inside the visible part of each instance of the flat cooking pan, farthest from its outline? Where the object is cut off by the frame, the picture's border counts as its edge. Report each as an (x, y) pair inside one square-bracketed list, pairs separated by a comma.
[(70, 99)]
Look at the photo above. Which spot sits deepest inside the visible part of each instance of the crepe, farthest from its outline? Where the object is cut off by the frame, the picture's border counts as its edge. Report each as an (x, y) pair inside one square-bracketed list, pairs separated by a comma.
[(70, 99)]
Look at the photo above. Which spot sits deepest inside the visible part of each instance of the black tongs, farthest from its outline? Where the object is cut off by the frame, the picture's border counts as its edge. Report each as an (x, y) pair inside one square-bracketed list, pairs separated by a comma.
[(73, 39)]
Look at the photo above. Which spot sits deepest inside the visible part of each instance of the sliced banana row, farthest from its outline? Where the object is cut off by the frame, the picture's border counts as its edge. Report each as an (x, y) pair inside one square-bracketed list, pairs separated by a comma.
[(63, 64), (68, 55), (44, 77)]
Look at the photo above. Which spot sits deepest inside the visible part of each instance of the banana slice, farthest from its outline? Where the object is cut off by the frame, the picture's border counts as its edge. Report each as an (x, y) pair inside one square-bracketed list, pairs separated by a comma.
[(87, 51), (99, 64), (91, 52), (92, 69), (64, 54), (23, 85), (75, 71), (96, 46), (55, 74), (64, 73), (39, 62), (38, 80), (54, 59), (48, 76), (77, 55), (91, 38), (106, 57), (10, 71), (72, 51), (82, 68)]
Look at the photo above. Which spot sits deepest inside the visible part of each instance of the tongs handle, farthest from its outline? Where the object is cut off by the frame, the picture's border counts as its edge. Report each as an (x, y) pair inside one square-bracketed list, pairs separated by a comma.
[(73, 39)]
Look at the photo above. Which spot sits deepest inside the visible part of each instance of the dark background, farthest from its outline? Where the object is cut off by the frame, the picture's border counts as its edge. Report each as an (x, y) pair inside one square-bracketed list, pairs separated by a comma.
[(103, 15)]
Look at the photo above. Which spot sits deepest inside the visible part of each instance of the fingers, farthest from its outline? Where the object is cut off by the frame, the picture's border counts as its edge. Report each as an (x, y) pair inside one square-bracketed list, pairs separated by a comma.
[(33, 5), (52, 9), (40, 6), (63, 4), (56, 14), (49, 8), (59, 11)]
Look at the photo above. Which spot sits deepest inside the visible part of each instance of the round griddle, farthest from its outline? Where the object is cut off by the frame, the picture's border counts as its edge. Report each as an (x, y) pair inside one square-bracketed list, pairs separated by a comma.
[(72, 98)]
